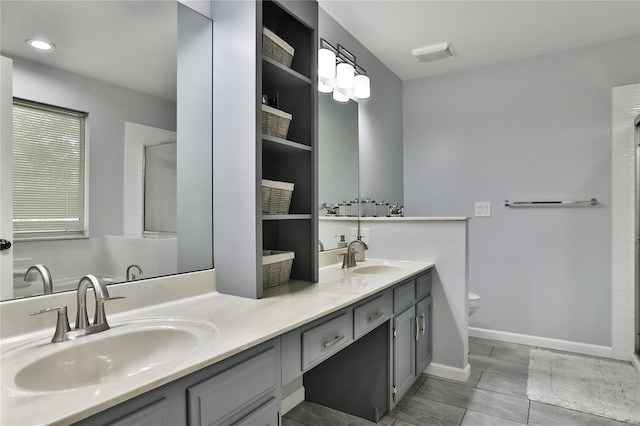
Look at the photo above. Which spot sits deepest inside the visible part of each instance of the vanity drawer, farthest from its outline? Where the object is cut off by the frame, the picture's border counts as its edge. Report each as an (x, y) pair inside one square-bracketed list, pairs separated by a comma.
[(423, 285), (403, 296), (370, 315), (323, 340), (233, 393)]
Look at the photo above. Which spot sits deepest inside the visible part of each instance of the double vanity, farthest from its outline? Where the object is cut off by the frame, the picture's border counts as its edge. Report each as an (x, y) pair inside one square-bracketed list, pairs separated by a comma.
[(211, 358)]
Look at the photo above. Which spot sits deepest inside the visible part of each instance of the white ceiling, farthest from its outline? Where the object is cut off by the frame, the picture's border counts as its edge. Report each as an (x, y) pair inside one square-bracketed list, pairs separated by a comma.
[(481, 32), (127, 43)]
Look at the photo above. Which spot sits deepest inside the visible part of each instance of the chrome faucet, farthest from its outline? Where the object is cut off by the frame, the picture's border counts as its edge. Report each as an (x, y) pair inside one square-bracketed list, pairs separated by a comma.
[(350, 256), (83, 328), (44, 272), (130, 276), (320, 245), (102, 294)]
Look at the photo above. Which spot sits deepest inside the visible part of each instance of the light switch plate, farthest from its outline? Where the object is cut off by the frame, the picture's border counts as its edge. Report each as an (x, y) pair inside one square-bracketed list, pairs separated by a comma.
[(483, 208), (353, 234)]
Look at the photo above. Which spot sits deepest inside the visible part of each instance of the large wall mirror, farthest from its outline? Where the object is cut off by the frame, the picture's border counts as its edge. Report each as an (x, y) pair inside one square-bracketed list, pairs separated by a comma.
[(123, 78), (338, 166)]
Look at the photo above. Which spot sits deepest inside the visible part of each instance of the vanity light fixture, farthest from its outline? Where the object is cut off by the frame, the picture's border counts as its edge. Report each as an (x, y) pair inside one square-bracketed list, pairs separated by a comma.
[(324, 87), (362, 87), (340, 97), (40, 45), (339, 63), (345, 75), (326, 62)]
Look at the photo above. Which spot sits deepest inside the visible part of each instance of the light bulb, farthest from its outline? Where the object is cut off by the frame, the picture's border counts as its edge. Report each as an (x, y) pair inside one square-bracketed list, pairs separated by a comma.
[(326, 63), (40, 45), (340, 97), (345, 75), (324, 88), (362, 87)]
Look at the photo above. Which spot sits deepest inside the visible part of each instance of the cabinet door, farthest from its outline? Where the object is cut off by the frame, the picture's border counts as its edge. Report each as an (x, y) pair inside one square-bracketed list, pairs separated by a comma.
[(266, 415), (404, 350), (424, 344)]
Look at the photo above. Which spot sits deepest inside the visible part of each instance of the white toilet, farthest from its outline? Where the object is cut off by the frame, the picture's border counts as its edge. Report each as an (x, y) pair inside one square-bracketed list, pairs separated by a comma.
[(474, 303)]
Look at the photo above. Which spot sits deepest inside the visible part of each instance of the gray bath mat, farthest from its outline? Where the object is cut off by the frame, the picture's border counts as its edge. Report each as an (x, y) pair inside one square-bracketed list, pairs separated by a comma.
[(596, 386)]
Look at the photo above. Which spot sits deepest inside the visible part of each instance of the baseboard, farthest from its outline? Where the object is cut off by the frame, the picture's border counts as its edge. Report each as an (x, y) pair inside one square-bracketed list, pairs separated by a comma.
[(635, 360), (290, 402), (545, 342), (448, 372)]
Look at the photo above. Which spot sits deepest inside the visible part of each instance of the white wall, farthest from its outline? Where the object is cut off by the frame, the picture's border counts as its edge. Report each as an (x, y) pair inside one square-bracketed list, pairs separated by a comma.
[(443, 242), (538, 128), (379, 119)]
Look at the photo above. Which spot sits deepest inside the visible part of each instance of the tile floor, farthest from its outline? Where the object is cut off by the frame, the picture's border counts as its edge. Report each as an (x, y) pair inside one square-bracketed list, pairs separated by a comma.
[(494, 395)]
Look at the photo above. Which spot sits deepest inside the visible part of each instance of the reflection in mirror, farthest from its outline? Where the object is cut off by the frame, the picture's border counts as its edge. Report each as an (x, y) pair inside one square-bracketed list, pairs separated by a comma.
[(337, 163), (116, 62), (160, 188)]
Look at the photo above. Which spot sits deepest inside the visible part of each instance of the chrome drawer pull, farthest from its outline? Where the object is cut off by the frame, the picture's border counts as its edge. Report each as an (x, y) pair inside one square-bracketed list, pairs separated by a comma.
[(417, 330), (333, 342), (374, 317)]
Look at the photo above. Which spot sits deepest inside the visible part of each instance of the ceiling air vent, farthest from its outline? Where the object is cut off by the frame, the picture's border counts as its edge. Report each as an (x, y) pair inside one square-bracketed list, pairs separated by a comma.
[(433, 52)]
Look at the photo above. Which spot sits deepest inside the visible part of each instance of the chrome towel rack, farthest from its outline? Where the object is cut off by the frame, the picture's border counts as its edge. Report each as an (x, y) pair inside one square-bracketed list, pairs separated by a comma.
[(591, 202)]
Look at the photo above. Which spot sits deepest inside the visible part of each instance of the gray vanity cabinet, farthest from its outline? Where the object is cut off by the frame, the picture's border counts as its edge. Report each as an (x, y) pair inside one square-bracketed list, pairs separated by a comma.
[(242, 390)]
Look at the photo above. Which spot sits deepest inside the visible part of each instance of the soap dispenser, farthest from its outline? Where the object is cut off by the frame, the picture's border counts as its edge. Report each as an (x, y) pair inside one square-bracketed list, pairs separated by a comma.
[(342, 243)]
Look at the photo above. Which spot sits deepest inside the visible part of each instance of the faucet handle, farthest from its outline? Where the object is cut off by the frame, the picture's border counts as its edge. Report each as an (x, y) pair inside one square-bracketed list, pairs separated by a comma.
[(62, 324), (60, 309)]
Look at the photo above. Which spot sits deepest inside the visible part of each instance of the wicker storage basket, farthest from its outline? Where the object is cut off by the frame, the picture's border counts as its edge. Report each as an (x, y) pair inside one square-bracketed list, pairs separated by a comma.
[(276, 48), (276, 267), (275, 122), (276, 196)]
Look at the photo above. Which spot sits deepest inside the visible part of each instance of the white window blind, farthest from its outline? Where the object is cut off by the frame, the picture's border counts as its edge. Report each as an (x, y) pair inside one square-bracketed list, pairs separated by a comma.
[(48, 171)]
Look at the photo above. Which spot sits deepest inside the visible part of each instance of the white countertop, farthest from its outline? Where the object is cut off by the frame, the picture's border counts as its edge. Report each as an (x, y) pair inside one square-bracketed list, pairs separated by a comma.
[(240, 324), (396, 219)]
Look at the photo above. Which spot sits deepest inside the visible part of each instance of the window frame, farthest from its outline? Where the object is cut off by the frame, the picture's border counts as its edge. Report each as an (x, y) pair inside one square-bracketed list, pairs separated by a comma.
[(27, 236)]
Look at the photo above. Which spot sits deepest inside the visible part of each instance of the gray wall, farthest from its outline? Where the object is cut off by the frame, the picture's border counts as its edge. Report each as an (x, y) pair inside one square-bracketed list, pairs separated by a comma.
[(109, 106), (538, 128), (379, 118)]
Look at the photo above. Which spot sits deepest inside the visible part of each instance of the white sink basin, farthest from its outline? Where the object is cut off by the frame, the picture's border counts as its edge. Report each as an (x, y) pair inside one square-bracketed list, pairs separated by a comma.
[(125, 351), (376, 269)]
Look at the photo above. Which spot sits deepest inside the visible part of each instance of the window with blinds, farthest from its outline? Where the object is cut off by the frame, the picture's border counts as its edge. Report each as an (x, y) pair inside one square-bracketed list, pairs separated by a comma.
[(48, 171)]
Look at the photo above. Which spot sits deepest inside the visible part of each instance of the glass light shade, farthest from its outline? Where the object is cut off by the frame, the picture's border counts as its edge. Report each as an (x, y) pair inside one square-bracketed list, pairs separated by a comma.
[(362, 87), (324, 88), (345, 75), (326, 63), (340, 97)]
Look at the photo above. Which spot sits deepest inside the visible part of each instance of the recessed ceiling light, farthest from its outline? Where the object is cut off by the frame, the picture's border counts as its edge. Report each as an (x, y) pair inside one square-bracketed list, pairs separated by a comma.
[(41, 45)]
